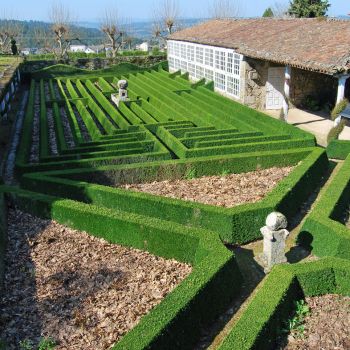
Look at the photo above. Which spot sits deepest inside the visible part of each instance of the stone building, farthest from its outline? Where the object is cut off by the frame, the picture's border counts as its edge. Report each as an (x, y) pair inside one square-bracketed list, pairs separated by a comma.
[(268, 63)]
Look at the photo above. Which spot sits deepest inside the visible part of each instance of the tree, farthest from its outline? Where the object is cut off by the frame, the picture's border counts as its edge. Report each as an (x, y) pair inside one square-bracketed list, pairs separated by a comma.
[(112, 26), (166, 16), (280, 9), (14, 48), (309, 8), (223, 9), (61, 20), (9, 30), (268, 12)]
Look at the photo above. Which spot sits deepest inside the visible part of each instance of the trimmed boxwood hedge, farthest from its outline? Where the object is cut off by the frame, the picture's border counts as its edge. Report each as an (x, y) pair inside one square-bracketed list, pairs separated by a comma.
[(262, 320), (177, 321), (236, 225), (323, 231), (338, 149)]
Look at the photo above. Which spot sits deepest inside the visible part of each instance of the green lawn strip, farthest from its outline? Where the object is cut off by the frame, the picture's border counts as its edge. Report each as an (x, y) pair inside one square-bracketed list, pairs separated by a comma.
[(235, 225), (177, 321), (323, 230), (261, 322)]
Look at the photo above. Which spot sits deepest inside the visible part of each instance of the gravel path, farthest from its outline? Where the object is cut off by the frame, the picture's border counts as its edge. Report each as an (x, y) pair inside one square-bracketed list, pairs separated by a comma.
[(327, 327), (224, 191), (52, 132), (75, 288), (83, 129), (34, 150), (67, 131)]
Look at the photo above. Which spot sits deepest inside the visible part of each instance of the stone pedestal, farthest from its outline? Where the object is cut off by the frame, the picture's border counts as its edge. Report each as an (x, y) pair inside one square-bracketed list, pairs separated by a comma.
[(122, 95), (275, 235)]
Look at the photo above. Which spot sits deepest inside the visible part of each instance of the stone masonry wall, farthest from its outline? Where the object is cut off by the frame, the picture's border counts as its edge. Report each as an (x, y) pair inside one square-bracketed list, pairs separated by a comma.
[(321, 87)]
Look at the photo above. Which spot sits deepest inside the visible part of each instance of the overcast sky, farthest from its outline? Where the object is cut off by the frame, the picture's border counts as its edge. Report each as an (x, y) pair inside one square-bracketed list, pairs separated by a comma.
[(92, 10)]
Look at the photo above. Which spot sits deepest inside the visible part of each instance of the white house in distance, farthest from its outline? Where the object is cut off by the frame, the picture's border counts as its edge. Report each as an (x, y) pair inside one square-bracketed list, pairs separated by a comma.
[(143, 47), (266, 62), (81, 48)]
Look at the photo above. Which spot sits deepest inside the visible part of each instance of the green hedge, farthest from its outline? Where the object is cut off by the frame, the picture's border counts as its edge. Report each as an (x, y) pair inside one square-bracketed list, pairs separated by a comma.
[(338, 149), (322, 231), (177, 321), (262, 321), (236, 225)]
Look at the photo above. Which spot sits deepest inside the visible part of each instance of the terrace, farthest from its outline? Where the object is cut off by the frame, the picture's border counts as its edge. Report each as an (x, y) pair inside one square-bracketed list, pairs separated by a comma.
[(78, 157)]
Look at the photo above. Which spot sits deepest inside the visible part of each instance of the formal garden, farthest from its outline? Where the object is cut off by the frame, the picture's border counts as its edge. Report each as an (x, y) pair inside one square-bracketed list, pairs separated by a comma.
[(133, 223)]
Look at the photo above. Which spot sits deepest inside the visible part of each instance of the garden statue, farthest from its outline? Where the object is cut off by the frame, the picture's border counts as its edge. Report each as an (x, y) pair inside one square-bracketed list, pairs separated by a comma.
[(275, 235), (122, 94)]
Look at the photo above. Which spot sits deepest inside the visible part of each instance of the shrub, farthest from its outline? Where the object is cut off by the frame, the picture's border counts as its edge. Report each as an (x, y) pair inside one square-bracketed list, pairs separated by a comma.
[(335, 131), (338, 108)]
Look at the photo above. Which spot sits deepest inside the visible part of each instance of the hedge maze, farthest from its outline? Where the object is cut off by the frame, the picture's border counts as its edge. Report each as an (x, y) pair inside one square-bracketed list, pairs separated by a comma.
[(77, 146)]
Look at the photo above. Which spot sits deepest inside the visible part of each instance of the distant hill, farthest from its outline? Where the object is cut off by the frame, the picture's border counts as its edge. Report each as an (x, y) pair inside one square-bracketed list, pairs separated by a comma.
[(142, 29), (88, 36)]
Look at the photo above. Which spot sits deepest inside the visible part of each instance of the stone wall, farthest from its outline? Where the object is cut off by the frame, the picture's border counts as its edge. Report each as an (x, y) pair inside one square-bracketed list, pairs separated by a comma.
[(8, 88), (320, 87), (95, 63)]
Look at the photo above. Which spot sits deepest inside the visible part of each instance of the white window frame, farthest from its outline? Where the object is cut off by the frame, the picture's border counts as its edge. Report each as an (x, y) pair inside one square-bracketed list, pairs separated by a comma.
[(220, 65)]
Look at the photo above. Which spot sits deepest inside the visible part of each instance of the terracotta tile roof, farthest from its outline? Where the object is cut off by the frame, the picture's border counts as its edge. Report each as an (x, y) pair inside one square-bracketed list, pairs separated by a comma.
[(321, 45)]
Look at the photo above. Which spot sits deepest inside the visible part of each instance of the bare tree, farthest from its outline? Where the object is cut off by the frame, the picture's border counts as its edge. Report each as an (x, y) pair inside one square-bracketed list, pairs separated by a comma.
[(223, 9), (43, 39), (9, 30), (114, 28), (166, 18), (280, 9), (61, 19)]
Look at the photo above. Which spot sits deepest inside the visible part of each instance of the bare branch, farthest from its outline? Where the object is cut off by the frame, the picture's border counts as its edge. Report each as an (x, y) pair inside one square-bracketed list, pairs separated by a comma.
[(223, 9), (9, 30), (166, 15), (280, 9), (115, 29), (61, 19)]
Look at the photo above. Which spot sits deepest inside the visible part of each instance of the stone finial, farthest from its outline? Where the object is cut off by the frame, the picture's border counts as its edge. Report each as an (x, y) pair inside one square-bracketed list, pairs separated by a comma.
[(123, 84), (122, 93), (275, 235)]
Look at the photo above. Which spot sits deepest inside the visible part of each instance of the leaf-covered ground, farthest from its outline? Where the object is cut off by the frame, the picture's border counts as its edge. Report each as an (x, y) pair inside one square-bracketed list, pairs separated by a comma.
[(326, 327), (75, 288), (224, 191)]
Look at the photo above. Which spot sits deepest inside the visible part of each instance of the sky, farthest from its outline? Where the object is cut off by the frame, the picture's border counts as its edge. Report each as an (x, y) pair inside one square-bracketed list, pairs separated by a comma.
[(92, 10)]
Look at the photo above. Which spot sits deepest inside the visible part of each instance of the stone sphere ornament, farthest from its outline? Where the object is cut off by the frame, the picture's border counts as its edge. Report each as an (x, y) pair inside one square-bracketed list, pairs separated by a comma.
[(122, 84), (276, 221), (275, 235)]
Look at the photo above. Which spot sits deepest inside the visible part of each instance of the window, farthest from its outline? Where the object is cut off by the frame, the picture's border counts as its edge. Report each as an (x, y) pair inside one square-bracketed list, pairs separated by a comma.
[(220, 81), (183, 66), (171, 63), (176, 49), (192, 69), (199, 72), (183, 51), (209, 57), (233, 86), (170, 48), (190, 53), (208, 74), (237, 64), (177, 64), (199, 54), (229, 67), (220, 57)]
